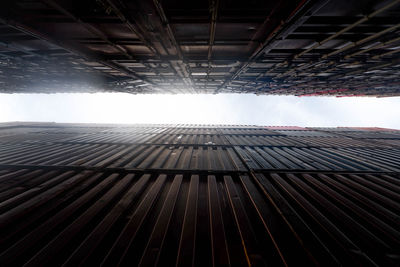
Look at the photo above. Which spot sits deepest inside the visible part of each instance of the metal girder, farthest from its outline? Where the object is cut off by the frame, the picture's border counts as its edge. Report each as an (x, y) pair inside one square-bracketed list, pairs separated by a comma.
[(203, 47), (184, 69), (272, 35), (132, 26)]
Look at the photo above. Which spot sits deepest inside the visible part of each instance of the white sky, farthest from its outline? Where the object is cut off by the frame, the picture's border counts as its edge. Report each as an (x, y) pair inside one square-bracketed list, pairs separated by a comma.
[(208, 109)]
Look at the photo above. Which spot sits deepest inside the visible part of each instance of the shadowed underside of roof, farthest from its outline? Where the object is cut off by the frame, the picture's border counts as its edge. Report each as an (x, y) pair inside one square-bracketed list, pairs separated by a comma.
[(198, 195), (302, 47)]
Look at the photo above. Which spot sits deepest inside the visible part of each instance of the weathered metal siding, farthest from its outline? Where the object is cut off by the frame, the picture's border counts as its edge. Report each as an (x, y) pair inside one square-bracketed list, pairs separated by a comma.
[(171, 195), (59, 217), (205, 157), (202, 147)]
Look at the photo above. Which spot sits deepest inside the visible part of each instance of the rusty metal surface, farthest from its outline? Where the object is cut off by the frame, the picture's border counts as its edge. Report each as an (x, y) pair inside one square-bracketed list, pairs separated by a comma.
[(106, 196), (287, 47)]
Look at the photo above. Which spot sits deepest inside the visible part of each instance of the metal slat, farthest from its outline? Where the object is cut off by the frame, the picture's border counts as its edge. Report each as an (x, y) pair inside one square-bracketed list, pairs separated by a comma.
[(125, 239), (220, 254), (186, 250), (93, 240), (297, 230), (246, 198)]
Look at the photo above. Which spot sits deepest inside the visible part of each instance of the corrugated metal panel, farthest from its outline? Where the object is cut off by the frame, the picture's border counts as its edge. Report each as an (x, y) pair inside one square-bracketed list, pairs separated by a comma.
[(134, 137), (203, 196), (363, 134), (391, 142), (87, 218), (206, 157), (285, 128), (216, 148), (335, 142), (126, 156), (374, 129), (150, 138), (219, 126), (320, 158), (255, 140), (306, 133), (352, 129), (35, 137), (380, 135)]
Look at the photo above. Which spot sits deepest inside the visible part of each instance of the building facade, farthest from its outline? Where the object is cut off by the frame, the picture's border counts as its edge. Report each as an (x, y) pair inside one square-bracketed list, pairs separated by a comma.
[(287, 47), (198, 195)]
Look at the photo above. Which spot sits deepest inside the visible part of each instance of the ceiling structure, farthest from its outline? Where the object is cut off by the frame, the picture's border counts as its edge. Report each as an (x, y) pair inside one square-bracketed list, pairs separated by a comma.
[(302, 47)]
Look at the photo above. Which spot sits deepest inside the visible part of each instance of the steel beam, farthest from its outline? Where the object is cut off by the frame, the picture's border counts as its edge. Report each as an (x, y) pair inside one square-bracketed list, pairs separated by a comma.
[(68, 47)]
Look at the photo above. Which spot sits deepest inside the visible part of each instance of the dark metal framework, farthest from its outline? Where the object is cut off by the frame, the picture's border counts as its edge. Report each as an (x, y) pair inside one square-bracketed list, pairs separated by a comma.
[(198, 195), (302, 47)]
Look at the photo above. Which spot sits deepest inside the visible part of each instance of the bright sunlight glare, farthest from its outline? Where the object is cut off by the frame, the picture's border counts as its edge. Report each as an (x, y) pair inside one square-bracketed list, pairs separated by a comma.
[(204, 109)]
